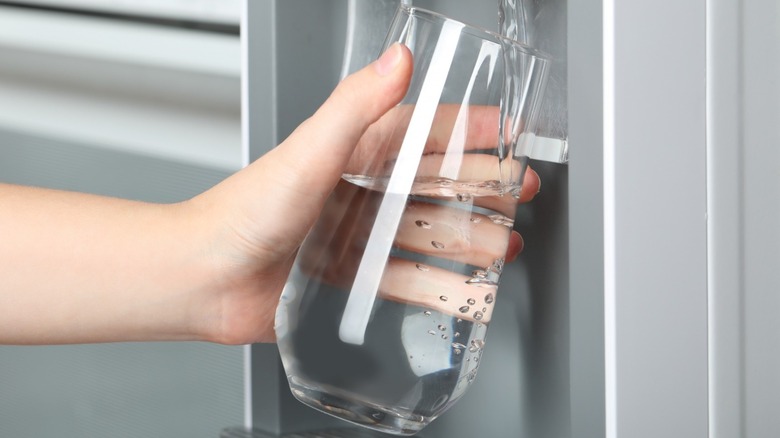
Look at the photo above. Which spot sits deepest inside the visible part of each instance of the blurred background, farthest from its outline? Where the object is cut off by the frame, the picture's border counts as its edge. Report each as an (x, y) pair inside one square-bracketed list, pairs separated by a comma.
[(137, 99)]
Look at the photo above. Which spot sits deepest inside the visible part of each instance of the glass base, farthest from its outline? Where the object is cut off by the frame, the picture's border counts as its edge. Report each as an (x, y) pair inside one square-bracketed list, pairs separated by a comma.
[(354, 410), (351, 432)]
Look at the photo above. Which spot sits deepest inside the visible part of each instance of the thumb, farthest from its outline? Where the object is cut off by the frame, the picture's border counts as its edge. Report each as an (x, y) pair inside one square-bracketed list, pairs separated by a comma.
[(319, 150), (304, 169)]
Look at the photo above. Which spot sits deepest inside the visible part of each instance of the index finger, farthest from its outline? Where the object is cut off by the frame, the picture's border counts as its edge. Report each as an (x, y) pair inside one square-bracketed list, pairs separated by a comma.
[(466, 127), (454, 127)]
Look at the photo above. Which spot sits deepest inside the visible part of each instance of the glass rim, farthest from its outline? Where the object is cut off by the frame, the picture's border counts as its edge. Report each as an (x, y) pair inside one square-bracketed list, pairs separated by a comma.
[(477, 30)]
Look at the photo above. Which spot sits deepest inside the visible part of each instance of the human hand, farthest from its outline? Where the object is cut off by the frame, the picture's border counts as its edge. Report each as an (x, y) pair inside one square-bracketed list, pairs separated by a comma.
[(255, 221), (212, 268)]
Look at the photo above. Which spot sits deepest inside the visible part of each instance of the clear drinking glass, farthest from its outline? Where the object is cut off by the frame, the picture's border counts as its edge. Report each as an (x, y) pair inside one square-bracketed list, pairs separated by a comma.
[(383, 319)]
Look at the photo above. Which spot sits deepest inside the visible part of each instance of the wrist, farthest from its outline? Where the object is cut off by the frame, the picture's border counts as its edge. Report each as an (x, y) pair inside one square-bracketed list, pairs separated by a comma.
[(193, 272), (234, 297)]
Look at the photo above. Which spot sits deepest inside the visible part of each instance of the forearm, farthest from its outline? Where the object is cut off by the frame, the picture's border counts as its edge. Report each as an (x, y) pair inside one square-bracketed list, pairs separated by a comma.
[(83, 268)]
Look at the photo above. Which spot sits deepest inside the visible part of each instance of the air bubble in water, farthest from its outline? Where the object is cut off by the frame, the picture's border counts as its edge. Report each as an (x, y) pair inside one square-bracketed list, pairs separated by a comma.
[(497, 218), (487, 276), (442, 327), (456, 351), (484, 309), (471, 301), (445, 337), (477, 276), (437, 245), (431, 332), (464, 309), (443, 298), (423, 224), (422, 268), (489, 298), (463, 197), (481, 282), (478, 315), (427, 313), (475, 220), (500, 219), (457, 334)]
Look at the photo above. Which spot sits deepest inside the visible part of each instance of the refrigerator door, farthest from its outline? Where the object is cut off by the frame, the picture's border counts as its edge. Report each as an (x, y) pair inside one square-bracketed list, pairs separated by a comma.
[(523, 384), (642, 304)]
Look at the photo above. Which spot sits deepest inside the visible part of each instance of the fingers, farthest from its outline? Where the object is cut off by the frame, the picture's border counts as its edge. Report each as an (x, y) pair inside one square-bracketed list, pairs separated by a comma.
[(462, 127), (437, 289), (444, 233), (454, 128), (476, 174), (453, 234), (471, 169), (471, 127)]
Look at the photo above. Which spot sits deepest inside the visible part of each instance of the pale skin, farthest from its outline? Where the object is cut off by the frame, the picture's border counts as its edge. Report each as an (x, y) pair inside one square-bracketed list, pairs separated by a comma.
[(78, 268)]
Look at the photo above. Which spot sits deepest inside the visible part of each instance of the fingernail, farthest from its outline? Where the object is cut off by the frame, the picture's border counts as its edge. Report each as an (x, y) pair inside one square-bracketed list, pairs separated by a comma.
[(389, 60), (538, 187), (516, 245)]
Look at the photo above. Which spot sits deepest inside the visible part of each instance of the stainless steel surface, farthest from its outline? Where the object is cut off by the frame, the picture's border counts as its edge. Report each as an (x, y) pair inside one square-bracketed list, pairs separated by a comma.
[(605, 325), (761, 263), (725, 179), (328, 433), (655, 219), (586, 219), (259, 111), (743, 103)]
